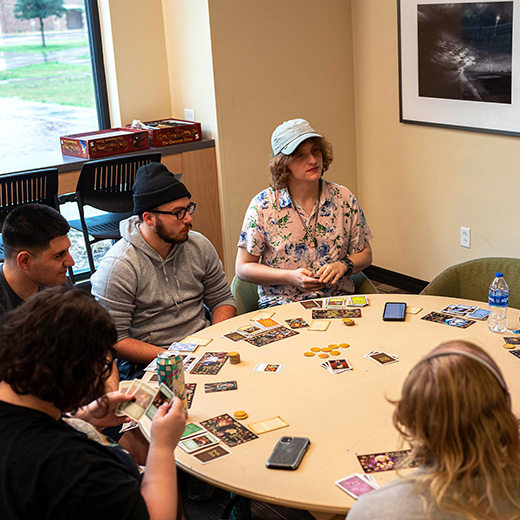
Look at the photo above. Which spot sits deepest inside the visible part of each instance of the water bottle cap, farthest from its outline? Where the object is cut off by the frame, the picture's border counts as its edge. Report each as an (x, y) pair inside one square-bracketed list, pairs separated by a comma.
[(499, 275)]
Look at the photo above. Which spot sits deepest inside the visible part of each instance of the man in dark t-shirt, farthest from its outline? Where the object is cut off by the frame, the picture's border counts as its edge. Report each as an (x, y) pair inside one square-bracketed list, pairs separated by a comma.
[(36, 248)]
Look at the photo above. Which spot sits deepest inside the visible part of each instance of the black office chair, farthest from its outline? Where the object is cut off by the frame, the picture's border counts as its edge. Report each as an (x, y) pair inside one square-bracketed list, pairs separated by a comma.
[(106, 184)]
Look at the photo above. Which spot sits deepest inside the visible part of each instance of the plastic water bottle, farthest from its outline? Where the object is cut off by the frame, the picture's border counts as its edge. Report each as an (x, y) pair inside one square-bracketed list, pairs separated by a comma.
[(498, 300)]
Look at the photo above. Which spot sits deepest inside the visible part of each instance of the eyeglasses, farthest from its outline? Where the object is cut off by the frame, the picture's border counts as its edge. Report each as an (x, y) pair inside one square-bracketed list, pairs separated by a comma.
[(180, 213)]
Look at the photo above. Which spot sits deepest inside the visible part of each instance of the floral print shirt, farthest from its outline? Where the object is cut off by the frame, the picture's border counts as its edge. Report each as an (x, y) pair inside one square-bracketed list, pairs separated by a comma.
[(273, 231)]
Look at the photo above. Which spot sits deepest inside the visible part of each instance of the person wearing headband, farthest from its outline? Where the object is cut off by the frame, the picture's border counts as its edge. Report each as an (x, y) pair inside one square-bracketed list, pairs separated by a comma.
[(455, 412), (303, 237)]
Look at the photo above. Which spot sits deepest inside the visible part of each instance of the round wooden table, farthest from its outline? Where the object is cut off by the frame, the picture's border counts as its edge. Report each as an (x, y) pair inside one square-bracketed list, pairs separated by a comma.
[(343, 414)]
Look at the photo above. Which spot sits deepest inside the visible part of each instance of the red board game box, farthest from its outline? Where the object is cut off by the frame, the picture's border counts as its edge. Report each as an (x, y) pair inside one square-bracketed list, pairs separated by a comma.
[(112, 141), (165, 132)]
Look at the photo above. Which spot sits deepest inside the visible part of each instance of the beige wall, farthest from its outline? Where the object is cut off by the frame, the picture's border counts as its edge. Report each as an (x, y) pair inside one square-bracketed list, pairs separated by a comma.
[(135, 60), (275, 61), (418, 184)]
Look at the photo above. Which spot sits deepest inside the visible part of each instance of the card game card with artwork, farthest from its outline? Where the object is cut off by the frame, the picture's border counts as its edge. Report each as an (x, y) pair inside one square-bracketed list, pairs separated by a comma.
[(335, 303), (310, 304), (192, 429), (319, 325), (270, 335), (446, 319), (272, 368), (234, 336), (268, 323), (228, 430), (198, 442), (268, 425), (386, 461), (212, 454), (210, 363), (224, 386), (190, 392), (327, 314), (296, 323), (512, 340)]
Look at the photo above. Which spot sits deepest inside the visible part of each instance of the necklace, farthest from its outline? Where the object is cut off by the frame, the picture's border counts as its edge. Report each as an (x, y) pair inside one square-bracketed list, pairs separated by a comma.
[(311, 234)]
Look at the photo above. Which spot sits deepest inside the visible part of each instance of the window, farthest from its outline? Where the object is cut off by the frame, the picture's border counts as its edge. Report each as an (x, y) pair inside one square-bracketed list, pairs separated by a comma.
[(52, 82)]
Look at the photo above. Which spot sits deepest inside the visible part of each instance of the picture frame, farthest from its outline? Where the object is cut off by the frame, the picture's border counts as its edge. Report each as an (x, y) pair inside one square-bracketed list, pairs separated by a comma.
[(456, 64)]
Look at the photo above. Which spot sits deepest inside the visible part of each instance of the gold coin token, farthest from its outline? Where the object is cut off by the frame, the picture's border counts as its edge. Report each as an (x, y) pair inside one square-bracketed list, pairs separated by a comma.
[(333, 346), (344, 345), (316, 349), (309, 354), (334, 352), (233, 354), (509, 346), (240, 414), (348, 322), (323, 356), (326, 349)]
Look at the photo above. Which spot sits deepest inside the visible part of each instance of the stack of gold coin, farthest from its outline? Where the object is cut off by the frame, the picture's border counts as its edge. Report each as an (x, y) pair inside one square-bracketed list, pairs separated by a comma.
[(348, 322), (234, 358), (240, 415)]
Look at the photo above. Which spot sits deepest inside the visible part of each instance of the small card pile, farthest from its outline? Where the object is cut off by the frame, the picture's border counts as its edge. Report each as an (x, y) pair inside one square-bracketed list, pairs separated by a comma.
[(196, 438), (357, 484), (337, 366), (467, 311), (382, 358)]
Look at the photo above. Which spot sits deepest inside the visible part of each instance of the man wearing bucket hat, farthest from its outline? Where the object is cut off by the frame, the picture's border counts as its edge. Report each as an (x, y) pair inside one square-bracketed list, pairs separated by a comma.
[(304, 236), (158, 280)]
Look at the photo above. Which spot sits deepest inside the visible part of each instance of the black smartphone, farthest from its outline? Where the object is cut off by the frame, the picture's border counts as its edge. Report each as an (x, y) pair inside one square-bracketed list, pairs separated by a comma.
[(394, 311), (288, 453)]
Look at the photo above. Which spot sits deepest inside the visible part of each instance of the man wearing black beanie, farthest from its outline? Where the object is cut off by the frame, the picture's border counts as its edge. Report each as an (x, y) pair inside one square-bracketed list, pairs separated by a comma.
[(160, 277)]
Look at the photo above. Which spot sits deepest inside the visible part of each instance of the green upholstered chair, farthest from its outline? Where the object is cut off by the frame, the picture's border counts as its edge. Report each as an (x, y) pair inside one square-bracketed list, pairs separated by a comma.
[(472, 279), (246, 293)]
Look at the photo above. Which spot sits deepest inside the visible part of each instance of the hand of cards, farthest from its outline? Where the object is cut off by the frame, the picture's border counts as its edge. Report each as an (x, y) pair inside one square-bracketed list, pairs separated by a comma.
[(357, 484), (337, 366)]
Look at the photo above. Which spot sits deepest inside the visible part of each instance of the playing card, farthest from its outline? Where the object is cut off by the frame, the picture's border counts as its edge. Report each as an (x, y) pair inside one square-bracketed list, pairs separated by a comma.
[(479, 314), (143, 397), (445, 319), (261, 315), (270, 335), (296, 323), (327, 314), (383, 358), (220, 387), (356, 485), (272, 368), (198, 443), (212, 454), (268, 323), (512, 341), (357, 301), (335, 303), (183, 347), (228, 430), (459, 310), (320, 325), (385, 461), (310, 304), (234, 336), (190, 392), (191, 430), (515, 353), (249, 329), (268, 425), (413, 310), (199, 341), (210, 363)]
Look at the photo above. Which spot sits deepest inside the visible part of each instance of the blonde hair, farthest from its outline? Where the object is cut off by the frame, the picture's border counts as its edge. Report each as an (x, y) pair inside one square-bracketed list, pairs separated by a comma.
[(279, 165), (457, 417)]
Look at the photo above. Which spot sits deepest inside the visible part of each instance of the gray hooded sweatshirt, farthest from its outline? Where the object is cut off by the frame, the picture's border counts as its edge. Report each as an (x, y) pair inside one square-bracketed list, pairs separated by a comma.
[(160, 301)]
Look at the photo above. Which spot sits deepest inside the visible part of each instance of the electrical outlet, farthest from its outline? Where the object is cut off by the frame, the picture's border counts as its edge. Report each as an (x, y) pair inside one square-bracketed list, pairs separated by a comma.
[(189, 114), (465, 237)]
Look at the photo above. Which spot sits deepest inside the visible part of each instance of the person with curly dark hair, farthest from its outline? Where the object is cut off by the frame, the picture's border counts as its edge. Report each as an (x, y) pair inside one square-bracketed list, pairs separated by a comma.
[(304, 236), (56, 350), (455, 412)]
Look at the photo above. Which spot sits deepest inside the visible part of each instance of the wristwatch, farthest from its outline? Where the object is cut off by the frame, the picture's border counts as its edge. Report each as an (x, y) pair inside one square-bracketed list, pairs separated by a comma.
[(350, 266)]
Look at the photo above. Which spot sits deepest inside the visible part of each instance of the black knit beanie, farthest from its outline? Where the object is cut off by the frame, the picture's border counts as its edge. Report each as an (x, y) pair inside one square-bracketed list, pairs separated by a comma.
[(155, 185)]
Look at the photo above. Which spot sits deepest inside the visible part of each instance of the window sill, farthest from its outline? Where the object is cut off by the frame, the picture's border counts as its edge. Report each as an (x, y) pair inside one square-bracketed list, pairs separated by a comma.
[(67, 163)]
